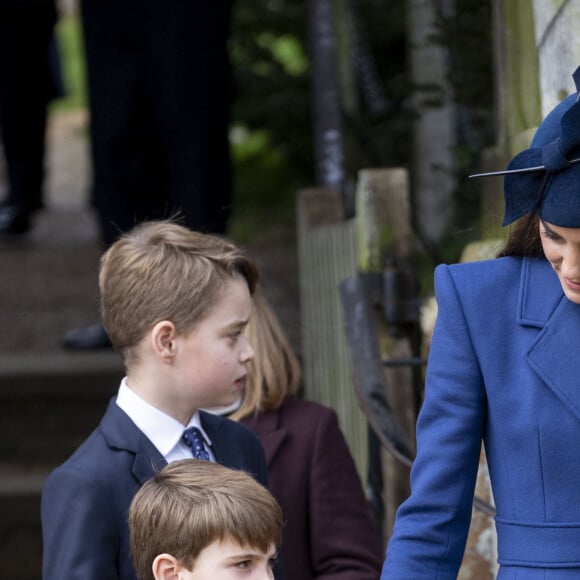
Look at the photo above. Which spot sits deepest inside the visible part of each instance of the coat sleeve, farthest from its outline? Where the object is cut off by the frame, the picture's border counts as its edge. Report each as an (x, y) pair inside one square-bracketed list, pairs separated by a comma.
[(79, 534), (344, 541), (431, 526)]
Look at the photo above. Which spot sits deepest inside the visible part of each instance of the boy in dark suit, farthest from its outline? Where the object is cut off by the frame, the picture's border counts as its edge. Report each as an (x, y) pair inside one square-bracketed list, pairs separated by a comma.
[(197, 520), (174, 303)]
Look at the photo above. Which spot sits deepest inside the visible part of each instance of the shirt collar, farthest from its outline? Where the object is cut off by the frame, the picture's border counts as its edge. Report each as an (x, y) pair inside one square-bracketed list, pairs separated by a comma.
[(225, 411), (161, 429)]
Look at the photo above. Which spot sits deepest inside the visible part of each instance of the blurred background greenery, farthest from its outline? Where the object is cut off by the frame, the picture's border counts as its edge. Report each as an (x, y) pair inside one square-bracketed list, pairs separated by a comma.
[(271, 114)]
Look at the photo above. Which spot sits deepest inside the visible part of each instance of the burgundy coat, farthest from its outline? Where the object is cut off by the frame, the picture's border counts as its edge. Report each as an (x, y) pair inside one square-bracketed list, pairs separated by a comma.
[(329, 532)]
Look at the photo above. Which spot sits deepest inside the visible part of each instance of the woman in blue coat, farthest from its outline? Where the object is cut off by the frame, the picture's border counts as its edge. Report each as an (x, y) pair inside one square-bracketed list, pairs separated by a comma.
[(504, 368)]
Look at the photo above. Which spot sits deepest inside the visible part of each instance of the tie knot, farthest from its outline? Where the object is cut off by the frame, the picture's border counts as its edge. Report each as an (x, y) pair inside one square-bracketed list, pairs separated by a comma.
[(194, 440)]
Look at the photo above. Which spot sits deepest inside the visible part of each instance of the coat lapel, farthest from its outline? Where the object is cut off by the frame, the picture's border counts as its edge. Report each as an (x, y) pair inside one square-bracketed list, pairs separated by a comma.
[(272, 442), (539, 293), (224, 452), (121, 433), (148, 461), (553, 356), (233, 448), (267, 426)]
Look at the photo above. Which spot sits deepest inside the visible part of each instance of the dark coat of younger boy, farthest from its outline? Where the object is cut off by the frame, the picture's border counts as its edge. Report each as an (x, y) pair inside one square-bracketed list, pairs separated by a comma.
[(175, 304)]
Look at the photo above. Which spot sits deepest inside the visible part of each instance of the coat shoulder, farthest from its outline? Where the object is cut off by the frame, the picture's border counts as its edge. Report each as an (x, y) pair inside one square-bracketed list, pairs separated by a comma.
[(312, 422), (481, 283), (296, 405), (484, 272), (494, 282)]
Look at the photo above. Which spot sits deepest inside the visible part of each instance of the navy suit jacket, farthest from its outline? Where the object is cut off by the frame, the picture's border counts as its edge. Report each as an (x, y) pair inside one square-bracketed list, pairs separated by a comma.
[(85, 501), (504, 367)]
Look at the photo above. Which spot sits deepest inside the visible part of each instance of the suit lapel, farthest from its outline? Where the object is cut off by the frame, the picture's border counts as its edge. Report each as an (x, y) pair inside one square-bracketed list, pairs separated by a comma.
[(148, 461), (553, 356), (121, 433), (224, 452)]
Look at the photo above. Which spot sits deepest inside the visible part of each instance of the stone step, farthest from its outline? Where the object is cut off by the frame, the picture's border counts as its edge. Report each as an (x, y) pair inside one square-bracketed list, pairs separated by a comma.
[(49, 403), (20, 535), (17, 481), (58, 373)]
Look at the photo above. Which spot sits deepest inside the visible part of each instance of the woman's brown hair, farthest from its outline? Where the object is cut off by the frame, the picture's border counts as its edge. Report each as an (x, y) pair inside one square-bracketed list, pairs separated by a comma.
[(524, 238)]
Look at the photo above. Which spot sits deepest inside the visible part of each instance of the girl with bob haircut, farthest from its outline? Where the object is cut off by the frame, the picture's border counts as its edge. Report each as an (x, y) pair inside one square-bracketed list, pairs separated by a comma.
[(329, 531)]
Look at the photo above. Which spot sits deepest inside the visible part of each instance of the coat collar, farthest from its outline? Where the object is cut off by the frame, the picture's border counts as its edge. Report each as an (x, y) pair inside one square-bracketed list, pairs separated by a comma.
[(552, 355), (268, 427), (539, 293)]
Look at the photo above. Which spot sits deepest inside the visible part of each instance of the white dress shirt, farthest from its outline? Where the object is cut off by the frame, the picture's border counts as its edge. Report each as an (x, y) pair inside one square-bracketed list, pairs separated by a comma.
[(163, 431)]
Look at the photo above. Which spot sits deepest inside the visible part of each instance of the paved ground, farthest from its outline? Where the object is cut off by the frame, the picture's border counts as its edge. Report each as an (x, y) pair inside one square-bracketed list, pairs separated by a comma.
[(48, 278)]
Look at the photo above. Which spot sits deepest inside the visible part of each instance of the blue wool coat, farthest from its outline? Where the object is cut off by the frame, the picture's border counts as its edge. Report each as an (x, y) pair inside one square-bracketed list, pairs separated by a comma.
[(504, 367)]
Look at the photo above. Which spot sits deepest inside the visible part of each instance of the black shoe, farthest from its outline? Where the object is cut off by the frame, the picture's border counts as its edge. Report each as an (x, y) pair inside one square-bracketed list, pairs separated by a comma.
[(91, 337), (14, 220)]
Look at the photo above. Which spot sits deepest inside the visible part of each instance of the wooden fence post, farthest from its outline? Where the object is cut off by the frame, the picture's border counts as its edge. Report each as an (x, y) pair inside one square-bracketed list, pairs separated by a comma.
[(384, 227), (327, 255)]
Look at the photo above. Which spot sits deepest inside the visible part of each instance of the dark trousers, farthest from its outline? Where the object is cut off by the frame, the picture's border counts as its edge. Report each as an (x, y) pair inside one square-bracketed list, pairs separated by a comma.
[(26, 87), (159, 92)]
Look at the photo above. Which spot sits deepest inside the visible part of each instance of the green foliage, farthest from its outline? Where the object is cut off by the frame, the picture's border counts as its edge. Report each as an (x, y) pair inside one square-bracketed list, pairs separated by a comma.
[(70, 48), (467, 35), (270, 51), (270, 66), (287, 51), (272, 139), (377, 129), (265, 186), (272, 142)]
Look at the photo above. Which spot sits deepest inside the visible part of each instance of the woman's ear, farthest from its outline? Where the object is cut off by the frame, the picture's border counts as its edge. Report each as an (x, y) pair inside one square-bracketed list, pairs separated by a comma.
[(163, 337), (165, 567)]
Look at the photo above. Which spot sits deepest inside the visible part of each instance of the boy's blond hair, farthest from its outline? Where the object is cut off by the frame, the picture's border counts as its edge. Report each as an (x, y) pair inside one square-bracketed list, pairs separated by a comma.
[(190, 504), (163, 271), (274, 371)]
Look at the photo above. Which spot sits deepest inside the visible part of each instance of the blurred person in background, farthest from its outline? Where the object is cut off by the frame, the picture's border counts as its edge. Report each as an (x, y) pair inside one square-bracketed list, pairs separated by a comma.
[(159, 96), (28, 82)]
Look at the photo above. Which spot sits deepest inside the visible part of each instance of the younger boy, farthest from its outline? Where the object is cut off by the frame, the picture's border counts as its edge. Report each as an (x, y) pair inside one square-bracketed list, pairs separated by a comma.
[(175, 304), (197, 520)]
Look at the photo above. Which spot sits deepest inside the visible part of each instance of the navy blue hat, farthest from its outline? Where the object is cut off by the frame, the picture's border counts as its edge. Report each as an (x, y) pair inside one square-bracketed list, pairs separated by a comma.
[(545, 178)]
